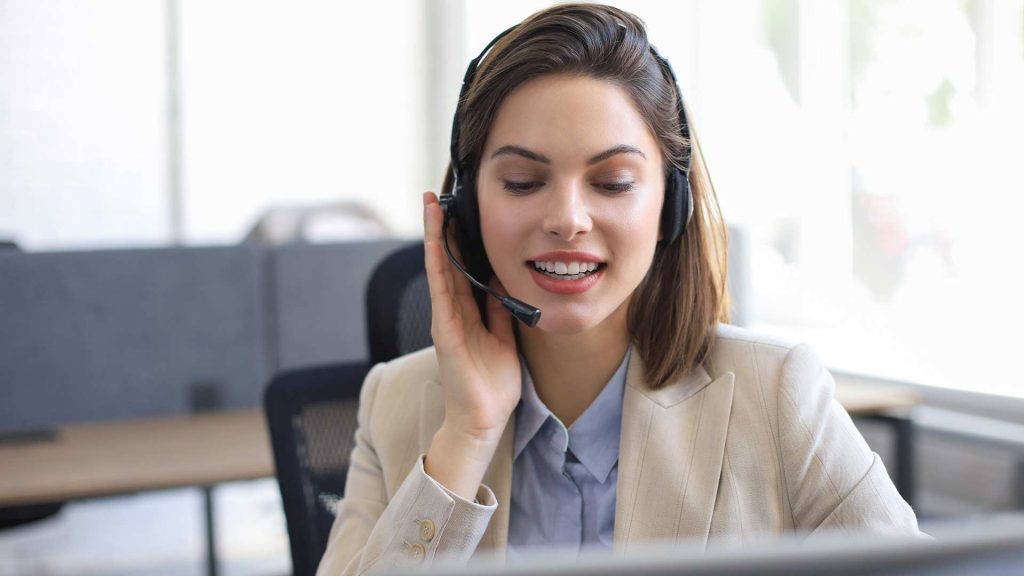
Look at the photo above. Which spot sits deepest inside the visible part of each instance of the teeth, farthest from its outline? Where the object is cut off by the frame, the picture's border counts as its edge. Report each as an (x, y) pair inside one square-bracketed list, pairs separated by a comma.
[(570, 269)]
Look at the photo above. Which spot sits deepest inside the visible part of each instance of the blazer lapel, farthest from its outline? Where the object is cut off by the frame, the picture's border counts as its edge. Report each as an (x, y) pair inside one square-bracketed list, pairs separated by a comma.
[(670, 459)]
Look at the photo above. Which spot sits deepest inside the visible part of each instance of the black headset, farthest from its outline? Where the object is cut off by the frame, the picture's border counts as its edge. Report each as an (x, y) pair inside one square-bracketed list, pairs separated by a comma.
[(461, 201)]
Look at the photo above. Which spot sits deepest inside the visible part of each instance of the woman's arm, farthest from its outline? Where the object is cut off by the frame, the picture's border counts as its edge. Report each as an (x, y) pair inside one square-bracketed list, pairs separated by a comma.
[(478, 370), (833, 478), (420, 521)]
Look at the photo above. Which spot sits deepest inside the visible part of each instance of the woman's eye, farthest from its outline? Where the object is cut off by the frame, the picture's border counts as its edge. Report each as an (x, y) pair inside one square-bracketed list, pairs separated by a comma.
[(521, 187), (616, 186)]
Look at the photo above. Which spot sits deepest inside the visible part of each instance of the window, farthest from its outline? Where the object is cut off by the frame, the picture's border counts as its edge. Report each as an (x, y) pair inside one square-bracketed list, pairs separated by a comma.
[(869, 150)]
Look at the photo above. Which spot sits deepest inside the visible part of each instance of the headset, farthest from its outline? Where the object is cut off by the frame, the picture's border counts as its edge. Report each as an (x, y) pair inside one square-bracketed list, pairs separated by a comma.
[(460, 202)]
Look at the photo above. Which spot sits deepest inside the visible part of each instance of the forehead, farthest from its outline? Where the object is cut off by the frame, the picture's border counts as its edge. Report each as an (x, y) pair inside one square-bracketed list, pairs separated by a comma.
[(568, 118)]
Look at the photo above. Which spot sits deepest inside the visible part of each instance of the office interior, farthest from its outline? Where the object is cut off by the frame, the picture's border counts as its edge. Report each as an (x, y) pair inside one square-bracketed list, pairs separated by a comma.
[(194, 197)]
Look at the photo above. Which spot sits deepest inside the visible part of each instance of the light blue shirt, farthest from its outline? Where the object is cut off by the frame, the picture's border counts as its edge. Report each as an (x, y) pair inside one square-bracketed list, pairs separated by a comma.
[(563, 480)]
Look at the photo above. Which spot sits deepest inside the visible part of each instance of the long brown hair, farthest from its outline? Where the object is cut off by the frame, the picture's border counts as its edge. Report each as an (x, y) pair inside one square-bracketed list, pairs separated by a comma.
[(674, 312)]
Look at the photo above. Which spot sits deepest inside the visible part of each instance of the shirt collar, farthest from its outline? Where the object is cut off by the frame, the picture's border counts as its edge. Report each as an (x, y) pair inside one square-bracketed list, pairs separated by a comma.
[(594, 437)]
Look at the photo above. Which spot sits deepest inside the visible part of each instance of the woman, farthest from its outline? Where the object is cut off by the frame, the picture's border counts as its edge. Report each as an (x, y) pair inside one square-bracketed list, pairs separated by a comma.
[(628, 413)]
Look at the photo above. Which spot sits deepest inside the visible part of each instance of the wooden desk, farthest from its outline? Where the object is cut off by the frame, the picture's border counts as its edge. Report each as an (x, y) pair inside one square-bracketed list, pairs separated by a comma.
[(109, 458), (869, 400), (890, 406)]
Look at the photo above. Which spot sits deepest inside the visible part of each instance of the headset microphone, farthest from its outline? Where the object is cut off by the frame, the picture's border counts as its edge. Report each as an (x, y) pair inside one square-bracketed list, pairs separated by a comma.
[(523, 312)]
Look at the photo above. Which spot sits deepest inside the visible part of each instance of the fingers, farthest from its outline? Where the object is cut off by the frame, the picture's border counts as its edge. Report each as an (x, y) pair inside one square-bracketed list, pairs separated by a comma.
[(451, 296), (499, 320), (438, 275), (460, 286)]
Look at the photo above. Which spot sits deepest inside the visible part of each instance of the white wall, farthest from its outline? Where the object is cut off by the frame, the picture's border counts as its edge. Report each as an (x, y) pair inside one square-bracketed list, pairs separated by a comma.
[(282, 102), (82, 123), (301, 102)]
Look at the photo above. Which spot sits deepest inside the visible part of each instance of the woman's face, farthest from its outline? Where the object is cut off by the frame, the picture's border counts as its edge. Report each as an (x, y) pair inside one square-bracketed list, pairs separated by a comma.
[(570, 179)]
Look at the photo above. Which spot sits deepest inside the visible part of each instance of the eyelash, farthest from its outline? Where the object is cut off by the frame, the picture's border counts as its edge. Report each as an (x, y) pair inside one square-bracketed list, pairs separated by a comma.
[(521, 188)]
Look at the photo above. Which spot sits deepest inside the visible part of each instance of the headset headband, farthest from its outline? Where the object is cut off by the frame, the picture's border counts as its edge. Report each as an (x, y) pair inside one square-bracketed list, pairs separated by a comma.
[(467, 80)]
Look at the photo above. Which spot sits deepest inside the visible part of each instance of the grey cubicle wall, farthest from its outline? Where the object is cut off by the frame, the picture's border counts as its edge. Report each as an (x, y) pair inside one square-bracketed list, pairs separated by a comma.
[(320, 302), (127, 333), (114, 334)]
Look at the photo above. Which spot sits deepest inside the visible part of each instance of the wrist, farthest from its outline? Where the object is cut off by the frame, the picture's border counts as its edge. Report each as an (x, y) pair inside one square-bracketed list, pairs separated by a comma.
[(458, 460), (474, 443)]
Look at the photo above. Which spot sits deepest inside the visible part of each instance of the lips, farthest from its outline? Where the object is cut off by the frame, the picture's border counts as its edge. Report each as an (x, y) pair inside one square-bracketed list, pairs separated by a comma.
[(566, 284), (567, 256)]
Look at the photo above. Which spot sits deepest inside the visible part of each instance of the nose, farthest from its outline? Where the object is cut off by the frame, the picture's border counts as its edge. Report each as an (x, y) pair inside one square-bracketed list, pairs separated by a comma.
[(568, 213)]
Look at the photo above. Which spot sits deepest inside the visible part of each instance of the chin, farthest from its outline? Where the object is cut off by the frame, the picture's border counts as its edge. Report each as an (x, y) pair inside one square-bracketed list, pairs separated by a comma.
[(565, 322)]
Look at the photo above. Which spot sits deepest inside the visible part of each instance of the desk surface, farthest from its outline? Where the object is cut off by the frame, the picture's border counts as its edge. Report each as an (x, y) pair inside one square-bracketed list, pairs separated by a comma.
[(109, 458), (865, 399)]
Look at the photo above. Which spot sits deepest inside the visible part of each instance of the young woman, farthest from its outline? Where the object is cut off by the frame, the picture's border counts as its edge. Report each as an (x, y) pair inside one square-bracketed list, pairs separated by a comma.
[(630, 412)]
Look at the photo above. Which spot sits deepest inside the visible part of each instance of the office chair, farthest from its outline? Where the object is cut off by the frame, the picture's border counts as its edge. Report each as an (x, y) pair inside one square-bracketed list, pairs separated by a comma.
[(398, 305), (311, 412), (14, 516)]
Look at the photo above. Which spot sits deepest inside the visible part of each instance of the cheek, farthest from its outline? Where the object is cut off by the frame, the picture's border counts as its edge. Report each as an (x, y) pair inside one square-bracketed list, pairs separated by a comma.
[(637, 223), (499, 235)]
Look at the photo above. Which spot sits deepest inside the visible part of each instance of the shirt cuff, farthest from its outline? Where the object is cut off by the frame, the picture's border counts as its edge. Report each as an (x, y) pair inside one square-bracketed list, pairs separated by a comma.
[(485, 499), (465, 526)]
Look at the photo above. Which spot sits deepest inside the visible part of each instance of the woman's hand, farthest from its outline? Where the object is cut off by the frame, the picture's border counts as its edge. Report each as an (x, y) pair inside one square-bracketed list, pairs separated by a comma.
[(479, 367)]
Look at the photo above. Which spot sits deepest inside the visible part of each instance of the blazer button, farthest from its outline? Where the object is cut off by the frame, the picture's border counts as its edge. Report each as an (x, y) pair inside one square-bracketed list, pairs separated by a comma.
[(427, 530), (417, 553)]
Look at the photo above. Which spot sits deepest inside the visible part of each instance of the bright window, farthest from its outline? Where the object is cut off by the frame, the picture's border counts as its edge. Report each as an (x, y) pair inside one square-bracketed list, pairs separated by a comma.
[(868, 151)]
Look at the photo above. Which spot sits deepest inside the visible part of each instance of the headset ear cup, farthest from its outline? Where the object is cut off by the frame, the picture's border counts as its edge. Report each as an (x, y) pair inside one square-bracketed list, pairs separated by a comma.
[(672, 210), (465, 202), (449, 209), (470, 237)]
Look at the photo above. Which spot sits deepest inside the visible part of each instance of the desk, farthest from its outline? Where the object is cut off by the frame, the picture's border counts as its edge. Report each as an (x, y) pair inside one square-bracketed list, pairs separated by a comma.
[(888, 405), (110, 458), (861, 399)]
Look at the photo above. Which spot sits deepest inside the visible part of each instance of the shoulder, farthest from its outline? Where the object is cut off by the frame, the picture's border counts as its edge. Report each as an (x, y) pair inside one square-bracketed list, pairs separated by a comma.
[(397, 391), (765, 361), (731, 337), (734, 346), (412, 368)]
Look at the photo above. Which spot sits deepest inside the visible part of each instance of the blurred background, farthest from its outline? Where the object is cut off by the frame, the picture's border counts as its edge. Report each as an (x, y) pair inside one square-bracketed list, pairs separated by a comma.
[(866, 153)]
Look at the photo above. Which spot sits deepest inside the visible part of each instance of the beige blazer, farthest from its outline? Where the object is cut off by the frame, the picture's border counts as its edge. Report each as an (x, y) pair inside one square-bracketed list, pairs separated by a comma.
[(750, 443)]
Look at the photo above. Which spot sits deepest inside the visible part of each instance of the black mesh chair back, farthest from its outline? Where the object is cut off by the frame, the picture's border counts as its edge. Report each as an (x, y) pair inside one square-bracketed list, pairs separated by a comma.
[(398, 305), (311, 413)]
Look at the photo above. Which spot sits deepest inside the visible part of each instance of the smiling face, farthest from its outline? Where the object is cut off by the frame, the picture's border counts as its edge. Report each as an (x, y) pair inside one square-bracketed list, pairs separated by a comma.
[(571, 181)]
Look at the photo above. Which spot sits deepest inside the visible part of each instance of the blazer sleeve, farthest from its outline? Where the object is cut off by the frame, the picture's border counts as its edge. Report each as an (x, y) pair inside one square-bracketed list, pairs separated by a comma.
[(834, 480), (421, 521)]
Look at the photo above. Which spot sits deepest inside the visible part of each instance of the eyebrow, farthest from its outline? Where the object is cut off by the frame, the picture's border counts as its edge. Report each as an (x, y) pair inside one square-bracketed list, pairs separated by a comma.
[(531, 155)]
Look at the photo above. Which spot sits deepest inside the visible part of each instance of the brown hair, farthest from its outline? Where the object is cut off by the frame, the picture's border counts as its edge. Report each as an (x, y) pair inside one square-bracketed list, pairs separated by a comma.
[(674, 311)]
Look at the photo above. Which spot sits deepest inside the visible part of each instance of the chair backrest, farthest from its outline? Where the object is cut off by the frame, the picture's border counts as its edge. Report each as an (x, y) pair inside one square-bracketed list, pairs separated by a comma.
[(311, 413), (398, 305)]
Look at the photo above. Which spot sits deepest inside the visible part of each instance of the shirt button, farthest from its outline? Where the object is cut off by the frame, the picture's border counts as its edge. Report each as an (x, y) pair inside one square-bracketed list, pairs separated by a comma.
[(417, 553), (426, 530)]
